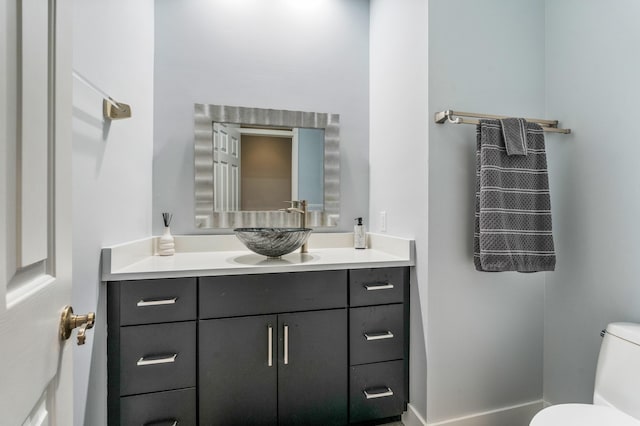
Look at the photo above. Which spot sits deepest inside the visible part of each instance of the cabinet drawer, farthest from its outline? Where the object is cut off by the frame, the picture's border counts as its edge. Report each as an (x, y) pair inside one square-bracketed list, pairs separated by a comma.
[(377, 333), (271, 293), (161, 300), (376, 286), (160, 409), (377, 391), (157, 357)]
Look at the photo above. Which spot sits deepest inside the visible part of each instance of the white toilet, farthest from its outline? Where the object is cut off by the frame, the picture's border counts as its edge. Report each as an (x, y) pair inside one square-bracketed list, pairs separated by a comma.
[(616, 397)]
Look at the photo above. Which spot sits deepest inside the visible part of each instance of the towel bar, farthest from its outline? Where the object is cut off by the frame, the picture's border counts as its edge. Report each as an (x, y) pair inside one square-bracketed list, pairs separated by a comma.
[(111, 109), (448, 116)]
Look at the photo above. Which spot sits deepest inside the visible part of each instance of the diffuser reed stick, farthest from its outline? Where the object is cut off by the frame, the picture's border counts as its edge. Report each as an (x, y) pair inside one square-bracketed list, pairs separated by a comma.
[(166, 218)]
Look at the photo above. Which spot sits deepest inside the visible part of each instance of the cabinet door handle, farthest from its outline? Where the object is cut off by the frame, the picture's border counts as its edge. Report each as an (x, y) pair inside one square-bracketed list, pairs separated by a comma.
[(380, 394), (167, 422), (157, 302), (270, 345), (286, 344), (153, 360), (378, 286), (378, 336)]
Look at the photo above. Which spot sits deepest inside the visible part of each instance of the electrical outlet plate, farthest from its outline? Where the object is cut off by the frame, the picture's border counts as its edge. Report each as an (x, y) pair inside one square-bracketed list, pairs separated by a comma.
[(383, 221)]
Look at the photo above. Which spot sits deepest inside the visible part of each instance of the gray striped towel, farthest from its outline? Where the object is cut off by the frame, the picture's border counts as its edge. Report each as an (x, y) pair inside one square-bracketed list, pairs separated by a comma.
[(513, 207)]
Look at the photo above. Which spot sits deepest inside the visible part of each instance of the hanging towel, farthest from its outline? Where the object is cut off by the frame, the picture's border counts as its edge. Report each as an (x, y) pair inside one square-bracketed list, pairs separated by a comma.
[(514, 131), (513, 208)]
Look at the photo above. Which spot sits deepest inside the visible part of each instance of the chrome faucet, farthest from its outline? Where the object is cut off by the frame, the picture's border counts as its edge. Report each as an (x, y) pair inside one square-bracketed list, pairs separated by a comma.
[(299, 206)]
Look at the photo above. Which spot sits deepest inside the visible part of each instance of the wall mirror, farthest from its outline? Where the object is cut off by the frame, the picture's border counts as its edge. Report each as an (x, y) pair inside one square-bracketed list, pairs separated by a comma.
[(248, 161)]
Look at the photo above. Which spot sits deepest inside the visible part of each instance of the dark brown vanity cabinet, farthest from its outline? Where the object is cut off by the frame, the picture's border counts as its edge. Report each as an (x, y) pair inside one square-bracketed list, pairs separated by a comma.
[(304, 348), (379, 342), (151, 352), (286, 369)]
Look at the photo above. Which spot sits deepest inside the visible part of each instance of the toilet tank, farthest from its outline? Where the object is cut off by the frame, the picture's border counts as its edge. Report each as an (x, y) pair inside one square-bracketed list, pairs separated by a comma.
[(618, 373)]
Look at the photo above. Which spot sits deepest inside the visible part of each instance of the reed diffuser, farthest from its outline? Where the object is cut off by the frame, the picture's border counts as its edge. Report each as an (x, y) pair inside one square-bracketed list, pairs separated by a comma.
[(167, 246)]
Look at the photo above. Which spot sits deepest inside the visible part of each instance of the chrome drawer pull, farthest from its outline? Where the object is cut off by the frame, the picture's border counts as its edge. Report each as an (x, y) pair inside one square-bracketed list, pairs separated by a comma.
[(378, 336), (286, 344), (385, 286), (157, 360), (168, 422), (382, 394), (158, 302), (270, 346)]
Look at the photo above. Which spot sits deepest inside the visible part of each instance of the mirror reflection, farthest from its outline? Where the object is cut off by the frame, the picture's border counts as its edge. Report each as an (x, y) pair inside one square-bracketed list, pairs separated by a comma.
[(257, 168), (249, 160)]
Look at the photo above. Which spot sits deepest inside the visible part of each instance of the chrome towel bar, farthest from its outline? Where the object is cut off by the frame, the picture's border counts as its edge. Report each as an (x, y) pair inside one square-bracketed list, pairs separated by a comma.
[(458, 117)]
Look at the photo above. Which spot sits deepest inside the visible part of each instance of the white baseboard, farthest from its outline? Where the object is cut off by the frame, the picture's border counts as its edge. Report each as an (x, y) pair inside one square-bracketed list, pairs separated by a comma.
[(412, 418), (516, 415)]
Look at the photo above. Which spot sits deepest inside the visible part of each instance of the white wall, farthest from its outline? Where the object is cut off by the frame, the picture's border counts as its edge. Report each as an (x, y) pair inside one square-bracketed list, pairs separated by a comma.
[(484, 330), (592, 87), (398, 154), (280, 54), (113, 47)]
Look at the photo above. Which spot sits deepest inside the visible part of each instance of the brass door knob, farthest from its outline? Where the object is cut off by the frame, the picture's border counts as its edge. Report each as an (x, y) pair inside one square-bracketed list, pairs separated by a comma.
[(69, 321)]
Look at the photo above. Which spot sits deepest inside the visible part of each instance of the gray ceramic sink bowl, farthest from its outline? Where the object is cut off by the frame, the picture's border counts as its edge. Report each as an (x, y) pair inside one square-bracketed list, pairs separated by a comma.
[(272, 242)]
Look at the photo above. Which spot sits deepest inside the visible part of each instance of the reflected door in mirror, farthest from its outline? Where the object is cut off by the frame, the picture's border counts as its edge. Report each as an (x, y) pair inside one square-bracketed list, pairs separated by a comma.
[(226, 167)]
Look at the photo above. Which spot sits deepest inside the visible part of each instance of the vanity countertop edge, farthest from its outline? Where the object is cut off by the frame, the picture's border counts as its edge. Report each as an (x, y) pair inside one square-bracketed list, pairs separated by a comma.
[(218, 255)]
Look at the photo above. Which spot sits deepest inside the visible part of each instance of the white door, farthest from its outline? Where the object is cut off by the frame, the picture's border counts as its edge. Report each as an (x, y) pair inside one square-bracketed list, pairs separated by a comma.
[(35, 211), (226, 167)]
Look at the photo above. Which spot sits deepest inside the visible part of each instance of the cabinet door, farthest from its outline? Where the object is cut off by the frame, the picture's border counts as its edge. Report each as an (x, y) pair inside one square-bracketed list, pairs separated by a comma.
[(238, 371), (312, 376)]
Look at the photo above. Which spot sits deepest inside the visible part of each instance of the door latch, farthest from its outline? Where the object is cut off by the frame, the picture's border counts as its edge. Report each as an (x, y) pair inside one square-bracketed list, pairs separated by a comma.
[(69, 321)]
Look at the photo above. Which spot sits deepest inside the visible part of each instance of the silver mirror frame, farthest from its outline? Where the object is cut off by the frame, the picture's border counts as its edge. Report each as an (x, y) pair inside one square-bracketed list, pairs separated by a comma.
[(206, 115)]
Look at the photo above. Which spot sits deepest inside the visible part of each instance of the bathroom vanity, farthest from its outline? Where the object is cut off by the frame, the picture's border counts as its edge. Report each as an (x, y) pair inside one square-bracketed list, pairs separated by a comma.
[(228, 337)]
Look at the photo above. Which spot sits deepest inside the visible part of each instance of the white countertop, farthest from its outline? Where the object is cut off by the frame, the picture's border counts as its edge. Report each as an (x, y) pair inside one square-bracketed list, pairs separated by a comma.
[(211, 255)]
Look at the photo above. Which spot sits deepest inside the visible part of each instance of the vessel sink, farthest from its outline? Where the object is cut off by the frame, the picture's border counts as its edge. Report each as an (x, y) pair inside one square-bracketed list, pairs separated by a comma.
[(272, 242)]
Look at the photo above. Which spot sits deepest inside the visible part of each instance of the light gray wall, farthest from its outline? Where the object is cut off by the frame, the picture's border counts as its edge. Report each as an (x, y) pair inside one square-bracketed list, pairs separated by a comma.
[(484, 330), (592, 86), (398, 151), (281, 54), (310, 166), (111, 170)]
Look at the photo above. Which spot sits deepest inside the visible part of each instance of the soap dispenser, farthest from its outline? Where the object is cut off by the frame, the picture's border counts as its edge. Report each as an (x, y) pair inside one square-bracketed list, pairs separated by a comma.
[(359, 235)]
